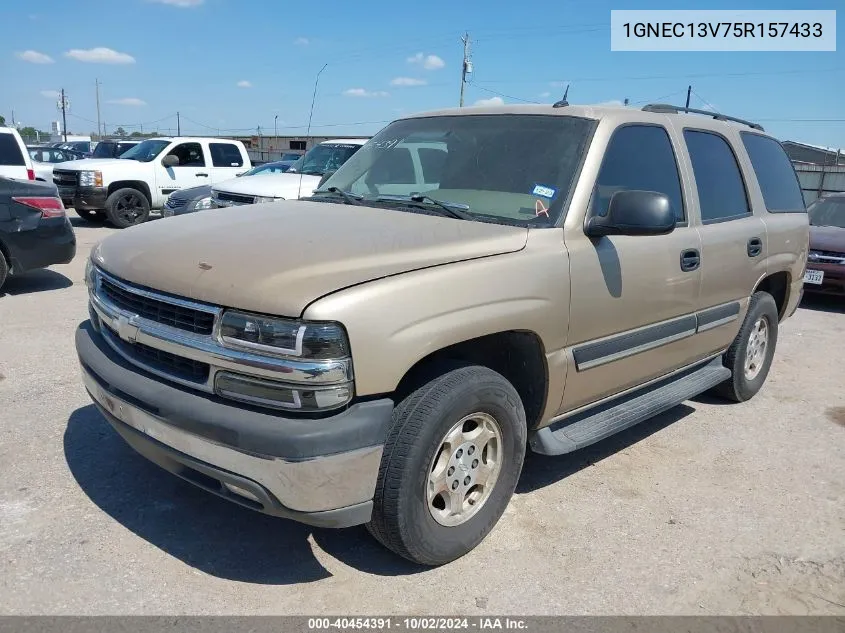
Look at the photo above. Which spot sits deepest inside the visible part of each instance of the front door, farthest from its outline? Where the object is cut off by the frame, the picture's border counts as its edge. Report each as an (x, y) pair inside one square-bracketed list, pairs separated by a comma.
[(191, 171), (633, 298)]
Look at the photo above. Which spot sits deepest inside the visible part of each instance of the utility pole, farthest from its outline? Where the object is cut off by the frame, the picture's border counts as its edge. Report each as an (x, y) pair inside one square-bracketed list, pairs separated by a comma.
[(63, 106), (689, 90), (178, 125), (97, 87), (276, 129), (465, 67)]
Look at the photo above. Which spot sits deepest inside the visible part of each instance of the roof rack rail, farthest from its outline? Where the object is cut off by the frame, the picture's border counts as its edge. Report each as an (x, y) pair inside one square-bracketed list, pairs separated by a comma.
[(665, 108)]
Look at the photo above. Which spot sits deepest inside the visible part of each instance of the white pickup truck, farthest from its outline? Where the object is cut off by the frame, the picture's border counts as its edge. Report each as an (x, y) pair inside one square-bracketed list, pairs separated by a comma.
[(124, 190)]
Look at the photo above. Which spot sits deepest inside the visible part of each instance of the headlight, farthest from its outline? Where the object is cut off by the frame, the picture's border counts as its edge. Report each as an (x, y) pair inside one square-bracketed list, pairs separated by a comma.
[(89, 273), (269, 393), (91, 178), (260, 199), (284, 337), (202, 203)]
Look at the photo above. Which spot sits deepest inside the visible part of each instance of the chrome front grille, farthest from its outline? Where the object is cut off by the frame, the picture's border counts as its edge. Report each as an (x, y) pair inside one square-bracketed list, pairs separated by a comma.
[(65, 178), (826, 257), (233, 198), (160, 361), (158, 309)]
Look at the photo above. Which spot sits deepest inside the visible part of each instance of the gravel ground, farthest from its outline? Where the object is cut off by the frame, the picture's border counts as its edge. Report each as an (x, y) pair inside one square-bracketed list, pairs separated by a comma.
[(708, 509)]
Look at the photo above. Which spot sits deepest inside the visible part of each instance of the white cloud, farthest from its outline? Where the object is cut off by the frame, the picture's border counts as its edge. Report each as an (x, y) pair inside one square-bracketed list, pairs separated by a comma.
[(429, 62), (100, 55), (244, 84), (361, 92), (407, 81), (34, 57), (128, 101), (302, 41), (545, 94), (51, 94), (182, 4), (558, 84), (492, 101)]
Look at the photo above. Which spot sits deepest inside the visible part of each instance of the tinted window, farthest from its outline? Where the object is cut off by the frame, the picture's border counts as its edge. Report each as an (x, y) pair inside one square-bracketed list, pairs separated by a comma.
[(721, 191), (226, 155), (639, 157), (828, 212), (432, 161), (10, 151), (395, 168), (189, 154), (775, 174)]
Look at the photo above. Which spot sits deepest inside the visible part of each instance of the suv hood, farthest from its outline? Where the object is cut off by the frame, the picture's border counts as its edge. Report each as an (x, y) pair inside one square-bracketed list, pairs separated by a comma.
[(827, 238), (270, 185), (278, 257), (97, 163)]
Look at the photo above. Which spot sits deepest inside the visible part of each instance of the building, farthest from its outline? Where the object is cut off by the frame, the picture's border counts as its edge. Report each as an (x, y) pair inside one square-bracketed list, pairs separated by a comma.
[(267, 148), (821, 170)]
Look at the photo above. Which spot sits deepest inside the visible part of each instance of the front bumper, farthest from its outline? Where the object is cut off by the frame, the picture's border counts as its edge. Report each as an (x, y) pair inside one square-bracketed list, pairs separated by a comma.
[(91, 198), (833, 281), (317, 471)]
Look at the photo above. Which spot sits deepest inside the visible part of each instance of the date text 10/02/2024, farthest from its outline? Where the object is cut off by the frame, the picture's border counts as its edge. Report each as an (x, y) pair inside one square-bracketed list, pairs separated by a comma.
[(417, 623)]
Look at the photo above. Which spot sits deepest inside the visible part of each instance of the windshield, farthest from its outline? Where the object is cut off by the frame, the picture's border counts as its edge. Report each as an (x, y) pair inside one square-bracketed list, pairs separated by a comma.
[(324, 157), (828, 212), (469, 160), (269, 168), (145, 151)]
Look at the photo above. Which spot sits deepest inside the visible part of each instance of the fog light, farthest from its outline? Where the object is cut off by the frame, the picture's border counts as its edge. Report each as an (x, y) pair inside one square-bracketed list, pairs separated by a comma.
[(278, 395)]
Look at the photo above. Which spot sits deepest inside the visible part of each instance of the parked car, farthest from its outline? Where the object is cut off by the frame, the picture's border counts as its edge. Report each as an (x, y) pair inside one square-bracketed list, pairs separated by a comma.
[(125, 190), (391, 363), (299, 180), (84, 147), (291, 156), (34, 229), (43, 159), (112, 148), (826, 262), (199, 198), (14, 159)]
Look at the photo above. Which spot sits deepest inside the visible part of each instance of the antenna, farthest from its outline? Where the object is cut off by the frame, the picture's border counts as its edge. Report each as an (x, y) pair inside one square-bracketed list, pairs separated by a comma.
[(563, 102), (310, 115)]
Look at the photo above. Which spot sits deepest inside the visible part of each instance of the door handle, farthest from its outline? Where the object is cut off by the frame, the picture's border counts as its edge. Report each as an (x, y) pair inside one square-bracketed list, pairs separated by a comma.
[(755, 246), (201, 174), (690, 259)]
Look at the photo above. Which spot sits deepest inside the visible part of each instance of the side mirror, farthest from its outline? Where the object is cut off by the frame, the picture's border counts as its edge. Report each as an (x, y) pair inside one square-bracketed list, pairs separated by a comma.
[(170, 161), (634, 213), (325, 177)]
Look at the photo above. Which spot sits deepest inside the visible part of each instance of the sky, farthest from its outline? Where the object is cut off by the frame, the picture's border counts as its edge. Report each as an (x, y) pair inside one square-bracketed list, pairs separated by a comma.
[(230, 66)]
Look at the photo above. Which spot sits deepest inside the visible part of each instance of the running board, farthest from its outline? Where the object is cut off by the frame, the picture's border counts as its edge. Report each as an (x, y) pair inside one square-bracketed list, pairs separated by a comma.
[(604, 420)]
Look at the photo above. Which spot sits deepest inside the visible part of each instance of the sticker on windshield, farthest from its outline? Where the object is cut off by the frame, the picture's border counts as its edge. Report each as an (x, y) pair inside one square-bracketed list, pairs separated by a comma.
[(544, 191), (540, 209)]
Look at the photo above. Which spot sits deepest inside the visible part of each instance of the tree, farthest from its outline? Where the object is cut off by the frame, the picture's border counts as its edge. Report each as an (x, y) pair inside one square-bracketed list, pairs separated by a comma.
[(28, 132), (136, 134), (2, 120), (120, 132)]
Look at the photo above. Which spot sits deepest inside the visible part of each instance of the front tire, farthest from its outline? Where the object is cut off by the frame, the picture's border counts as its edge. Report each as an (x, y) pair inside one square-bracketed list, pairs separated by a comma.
[(91, 215), (451, 462), (4, 269), (127, 207), (750, 355)]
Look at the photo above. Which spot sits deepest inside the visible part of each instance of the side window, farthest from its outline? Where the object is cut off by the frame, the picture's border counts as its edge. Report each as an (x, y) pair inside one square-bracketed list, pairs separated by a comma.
[(394, 168), (639, 157), (432, 162), (775, 174), (189, 155), (226, 155), (721, 190), (298, 145), (10, 151)]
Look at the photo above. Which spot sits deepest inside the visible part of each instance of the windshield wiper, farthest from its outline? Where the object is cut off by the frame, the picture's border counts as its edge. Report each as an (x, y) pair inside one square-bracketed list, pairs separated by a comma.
[(449, 209), (348, 198)]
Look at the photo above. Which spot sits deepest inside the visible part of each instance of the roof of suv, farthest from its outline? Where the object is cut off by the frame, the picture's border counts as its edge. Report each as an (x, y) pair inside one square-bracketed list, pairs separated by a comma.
[(598, 112), (345, 141)]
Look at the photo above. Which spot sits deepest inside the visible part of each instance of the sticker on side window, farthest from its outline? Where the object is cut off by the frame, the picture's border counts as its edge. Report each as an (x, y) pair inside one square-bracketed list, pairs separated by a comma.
[(544, 191)]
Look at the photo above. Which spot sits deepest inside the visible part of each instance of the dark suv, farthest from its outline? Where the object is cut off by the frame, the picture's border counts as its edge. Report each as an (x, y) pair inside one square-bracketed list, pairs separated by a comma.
[(112, 148)]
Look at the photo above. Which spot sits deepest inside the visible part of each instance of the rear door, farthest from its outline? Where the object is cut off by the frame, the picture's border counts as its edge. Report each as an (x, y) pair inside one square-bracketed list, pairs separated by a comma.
[(227, 161), (13, 157), (733, 238)]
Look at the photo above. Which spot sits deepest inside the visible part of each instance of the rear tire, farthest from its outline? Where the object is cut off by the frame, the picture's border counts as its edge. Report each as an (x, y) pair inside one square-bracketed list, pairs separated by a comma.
[(4, 269), (127, 207), (750, 355), (91, 215), (475, 407)]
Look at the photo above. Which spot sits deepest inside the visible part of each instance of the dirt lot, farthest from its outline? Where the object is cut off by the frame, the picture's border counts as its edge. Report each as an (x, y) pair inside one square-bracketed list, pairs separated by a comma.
[(711, 508)]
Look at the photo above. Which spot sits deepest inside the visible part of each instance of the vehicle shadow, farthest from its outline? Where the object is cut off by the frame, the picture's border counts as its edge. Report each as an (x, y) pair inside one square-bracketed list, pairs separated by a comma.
[(540, 471), (39, 280), (823, 303), (206, 532)]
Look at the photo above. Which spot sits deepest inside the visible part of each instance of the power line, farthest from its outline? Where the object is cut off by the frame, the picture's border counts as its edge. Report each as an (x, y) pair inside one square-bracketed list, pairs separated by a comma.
[(502, 94)]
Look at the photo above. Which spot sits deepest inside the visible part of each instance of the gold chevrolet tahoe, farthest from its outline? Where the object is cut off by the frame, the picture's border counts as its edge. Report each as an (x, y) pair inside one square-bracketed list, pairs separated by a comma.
[(471, 284)]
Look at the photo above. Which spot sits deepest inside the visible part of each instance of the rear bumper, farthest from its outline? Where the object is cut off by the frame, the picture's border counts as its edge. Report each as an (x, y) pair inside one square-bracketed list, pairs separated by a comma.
[(833, 282), (52, 241), (312, 471), (86, 198)]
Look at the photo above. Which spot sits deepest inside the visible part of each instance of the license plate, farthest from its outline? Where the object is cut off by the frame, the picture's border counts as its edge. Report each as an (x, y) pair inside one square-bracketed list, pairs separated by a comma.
[(813, 277)]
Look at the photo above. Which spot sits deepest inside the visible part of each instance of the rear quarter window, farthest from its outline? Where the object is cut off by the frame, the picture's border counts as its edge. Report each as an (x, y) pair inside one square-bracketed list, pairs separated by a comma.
[(226, 155), (775, 174), (10, 151)]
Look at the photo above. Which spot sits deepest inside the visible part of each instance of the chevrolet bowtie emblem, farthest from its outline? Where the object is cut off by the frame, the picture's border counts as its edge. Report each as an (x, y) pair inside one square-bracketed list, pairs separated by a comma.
[(126, 329)]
